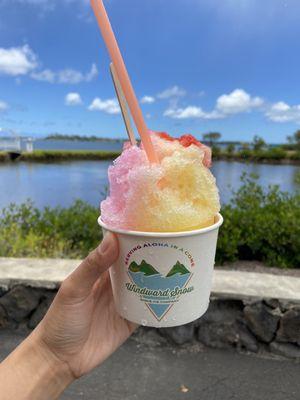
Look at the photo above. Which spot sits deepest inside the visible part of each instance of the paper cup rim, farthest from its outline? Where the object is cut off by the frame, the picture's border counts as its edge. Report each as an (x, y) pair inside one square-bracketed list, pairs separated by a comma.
[(210, 228)]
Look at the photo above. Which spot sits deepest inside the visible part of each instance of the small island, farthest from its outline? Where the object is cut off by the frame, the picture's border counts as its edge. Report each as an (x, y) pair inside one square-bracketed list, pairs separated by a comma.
[(82, 138)]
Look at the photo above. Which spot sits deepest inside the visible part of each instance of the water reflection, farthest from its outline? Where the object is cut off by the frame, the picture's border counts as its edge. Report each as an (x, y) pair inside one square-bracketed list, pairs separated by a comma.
[(62, 183)]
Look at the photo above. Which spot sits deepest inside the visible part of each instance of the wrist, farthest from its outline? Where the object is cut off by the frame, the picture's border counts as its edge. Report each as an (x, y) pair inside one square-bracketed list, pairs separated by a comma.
[(55, 370), (33, 372)]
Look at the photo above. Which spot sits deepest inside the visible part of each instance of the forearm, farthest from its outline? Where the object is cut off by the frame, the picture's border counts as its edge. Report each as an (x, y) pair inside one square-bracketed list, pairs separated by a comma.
[(32, 372)]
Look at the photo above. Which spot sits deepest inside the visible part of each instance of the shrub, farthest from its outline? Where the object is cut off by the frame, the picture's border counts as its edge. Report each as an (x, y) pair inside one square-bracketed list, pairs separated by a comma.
[(216, 151), (274, 153), (261, 225), (245, 154), (60, 155), (295, 155), (3, 156), (53, 232), (230, 149)]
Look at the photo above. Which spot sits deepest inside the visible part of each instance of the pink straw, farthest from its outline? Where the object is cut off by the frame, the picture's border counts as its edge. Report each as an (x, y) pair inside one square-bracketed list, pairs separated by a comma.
[(115, 54)]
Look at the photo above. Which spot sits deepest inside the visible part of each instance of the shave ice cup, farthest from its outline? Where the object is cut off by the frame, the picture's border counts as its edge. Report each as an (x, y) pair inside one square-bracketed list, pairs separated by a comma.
[(163, 279)]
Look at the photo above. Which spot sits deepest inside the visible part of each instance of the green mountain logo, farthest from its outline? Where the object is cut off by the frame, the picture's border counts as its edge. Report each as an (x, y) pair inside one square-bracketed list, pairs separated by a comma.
[(144, 267), (178, 269)]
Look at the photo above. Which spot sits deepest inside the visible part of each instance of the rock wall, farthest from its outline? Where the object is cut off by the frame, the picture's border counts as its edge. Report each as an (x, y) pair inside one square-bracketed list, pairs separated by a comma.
[(251, 325)]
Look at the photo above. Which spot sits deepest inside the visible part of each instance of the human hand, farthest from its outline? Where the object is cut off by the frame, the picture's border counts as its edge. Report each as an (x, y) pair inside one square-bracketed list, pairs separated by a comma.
[(82, 327), (80, 330)]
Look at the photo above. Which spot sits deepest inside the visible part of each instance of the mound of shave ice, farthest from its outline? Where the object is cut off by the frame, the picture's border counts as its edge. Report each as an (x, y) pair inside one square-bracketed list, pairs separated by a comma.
[(178, 194)]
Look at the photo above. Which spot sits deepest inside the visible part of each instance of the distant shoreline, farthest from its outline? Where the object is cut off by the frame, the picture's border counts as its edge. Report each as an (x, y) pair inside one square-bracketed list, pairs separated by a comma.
[(101, 155), (78, 138), (93, 138)]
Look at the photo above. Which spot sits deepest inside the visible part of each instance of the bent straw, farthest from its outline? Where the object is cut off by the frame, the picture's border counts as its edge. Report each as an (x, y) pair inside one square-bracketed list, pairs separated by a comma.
[(115, 54), (123, 104)]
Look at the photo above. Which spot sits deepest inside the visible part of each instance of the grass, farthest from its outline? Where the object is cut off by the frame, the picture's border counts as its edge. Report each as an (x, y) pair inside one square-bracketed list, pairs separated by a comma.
[(258, 225), (58, 155), (3, 156), (274, 155)]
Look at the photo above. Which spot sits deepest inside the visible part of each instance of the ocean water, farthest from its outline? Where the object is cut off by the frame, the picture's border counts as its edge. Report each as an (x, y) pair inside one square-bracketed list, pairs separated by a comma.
[(53, 184)]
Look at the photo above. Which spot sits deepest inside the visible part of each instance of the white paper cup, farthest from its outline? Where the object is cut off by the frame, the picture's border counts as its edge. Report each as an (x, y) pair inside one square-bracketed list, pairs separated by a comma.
[(164, 279)]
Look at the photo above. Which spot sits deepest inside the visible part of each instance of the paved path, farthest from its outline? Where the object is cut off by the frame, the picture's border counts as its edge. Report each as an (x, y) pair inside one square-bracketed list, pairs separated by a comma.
[(148, 370), (48, 273)]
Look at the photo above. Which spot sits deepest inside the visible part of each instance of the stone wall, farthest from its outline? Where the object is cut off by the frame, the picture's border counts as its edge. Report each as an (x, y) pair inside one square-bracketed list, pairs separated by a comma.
[(251, 325)]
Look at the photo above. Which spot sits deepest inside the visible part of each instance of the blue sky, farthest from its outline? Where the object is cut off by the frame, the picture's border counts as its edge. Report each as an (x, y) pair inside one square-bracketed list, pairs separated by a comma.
[(197, 65)]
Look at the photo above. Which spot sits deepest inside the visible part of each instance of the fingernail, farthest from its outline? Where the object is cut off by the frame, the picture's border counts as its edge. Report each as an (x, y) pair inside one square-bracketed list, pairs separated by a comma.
[(106, 242)]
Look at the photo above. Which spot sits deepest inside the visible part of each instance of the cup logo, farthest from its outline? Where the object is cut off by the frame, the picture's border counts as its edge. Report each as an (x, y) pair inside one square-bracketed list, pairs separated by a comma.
[(159, 292)]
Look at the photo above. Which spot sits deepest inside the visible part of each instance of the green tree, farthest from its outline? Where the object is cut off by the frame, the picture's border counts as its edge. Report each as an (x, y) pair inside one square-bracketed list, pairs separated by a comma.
[(230, 149), (295, 139), (290, 139), (212, 137), (258, 143), (297, 136)]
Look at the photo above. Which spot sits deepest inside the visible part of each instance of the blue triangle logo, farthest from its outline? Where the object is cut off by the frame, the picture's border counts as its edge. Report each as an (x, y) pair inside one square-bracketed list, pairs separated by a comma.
[(156, 290)]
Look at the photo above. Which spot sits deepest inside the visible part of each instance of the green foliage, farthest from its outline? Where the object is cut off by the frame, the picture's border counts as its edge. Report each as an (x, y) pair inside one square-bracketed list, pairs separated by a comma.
[(261, 225), (295, 140), (212, 137), (258, 143), (60, 155), (295, 156), (230, 149), (270, 154), (80, 138), (3, 156), (245, 153), (273, 153), (216, 152), (26, 231), (297, 178)]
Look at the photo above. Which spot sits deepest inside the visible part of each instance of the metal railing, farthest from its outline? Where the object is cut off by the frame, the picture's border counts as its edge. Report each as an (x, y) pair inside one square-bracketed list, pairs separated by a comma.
[(13, 144)]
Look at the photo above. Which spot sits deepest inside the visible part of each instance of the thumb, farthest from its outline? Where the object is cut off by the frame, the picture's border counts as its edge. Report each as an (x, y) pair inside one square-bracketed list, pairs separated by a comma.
[(79, 284)]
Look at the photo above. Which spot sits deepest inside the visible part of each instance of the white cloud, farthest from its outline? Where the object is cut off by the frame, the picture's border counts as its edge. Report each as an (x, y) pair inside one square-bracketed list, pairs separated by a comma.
[(191, 112), (73, 99), (92, 74), (283, 112), (16, 61), (237, 102), (147, 100), (67, 76), (109, 106), (174, 91), (182, 113), (70, 76), (46, 75), (3, 106)]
